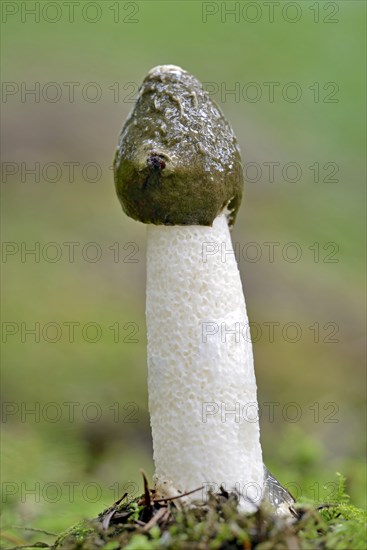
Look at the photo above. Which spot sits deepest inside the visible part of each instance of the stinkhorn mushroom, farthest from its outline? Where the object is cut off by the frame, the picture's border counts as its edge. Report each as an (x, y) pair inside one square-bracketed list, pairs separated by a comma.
[(178, 169)]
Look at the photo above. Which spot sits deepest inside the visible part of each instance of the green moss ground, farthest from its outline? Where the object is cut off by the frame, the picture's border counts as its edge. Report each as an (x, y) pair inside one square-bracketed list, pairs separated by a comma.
[(147, 523)]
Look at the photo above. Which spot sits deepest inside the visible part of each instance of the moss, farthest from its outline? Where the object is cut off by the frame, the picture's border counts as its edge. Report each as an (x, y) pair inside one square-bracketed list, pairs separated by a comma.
[(78, 534), (147, 524)]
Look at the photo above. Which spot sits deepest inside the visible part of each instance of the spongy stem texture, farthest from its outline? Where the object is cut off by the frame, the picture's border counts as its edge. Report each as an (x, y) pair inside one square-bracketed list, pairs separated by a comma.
[(201, 380)]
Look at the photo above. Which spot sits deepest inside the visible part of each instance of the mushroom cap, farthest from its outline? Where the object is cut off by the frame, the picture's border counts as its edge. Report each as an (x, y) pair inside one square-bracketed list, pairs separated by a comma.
[(177, 161)]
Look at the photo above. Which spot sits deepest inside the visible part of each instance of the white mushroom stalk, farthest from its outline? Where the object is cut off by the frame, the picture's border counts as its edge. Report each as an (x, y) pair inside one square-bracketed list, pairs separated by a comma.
[(178, 169), (202, 388)]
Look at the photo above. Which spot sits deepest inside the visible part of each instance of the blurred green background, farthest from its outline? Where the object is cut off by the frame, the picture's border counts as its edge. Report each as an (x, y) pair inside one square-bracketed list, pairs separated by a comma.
[(78, 458)]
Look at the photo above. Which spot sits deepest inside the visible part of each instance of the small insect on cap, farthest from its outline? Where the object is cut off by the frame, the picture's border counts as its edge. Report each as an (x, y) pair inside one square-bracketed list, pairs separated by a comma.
[(177, 162)]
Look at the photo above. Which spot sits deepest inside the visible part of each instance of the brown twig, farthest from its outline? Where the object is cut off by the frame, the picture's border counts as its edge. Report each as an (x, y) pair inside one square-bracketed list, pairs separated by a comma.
[(120, 499), (160, 515), (147, 496), (177, 496)]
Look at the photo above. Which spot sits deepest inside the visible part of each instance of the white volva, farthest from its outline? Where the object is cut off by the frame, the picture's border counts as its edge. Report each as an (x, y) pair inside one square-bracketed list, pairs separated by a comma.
[(202, 387)]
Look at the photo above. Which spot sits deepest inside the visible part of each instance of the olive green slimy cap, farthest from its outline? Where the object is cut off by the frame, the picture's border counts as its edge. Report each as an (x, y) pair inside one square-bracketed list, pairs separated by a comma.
[(177, 161)]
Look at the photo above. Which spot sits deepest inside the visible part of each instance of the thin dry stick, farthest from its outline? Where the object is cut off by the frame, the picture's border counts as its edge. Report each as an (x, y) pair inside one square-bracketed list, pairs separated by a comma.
[(162, 512), (177, 496)]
